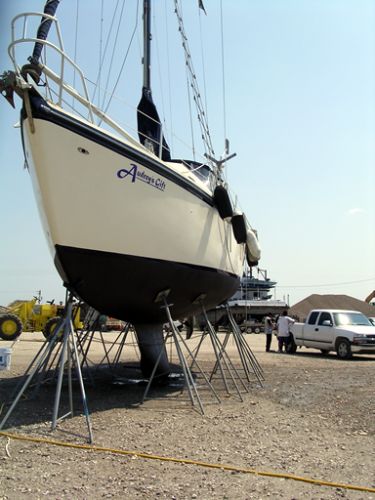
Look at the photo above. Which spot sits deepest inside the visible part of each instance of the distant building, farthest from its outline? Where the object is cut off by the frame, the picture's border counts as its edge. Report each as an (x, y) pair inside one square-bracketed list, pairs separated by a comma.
[(315, 301)]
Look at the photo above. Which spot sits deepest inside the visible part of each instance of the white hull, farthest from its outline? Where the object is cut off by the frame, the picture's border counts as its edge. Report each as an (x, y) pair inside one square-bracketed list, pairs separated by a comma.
[(87, 205)]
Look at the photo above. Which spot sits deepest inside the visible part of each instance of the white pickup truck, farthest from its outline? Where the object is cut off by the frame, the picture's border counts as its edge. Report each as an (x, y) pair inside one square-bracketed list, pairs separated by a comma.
[(346, 332)]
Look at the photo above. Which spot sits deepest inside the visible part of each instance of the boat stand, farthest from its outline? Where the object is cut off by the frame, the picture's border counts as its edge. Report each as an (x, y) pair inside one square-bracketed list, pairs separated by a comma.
[(223, 364), (249, 362), (86, 338), (175, 335), (64, 340), (119, 341)]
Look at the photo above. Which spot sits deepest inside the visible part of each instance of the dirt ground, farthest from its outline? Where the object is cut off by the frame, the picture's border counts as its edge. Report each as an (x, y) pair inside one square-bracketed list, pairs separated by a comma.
[(312, 417)]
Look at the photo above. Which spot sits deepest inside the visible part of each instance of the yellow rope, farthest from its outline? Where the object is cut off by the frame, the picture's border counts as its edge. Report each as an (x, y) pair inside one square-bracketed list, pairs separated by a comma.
[(187, 461)]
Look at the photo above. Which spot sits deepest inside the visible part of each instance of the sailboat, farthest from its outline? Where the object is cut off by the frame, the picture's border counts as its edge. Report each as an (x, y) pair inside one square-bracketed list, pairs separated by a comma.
[(124, 220)]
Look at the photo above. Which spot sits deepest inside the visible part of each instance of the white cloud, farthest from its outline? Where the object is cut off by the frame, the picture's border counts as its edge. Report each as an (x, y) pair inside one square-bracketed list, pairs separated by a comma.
[(355, 211)]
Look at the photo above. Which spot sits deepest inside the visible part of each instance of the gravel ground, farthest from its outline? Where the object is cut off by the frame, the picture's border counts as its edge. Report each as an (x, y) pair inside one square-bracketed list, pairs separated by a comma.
[(313, 417)]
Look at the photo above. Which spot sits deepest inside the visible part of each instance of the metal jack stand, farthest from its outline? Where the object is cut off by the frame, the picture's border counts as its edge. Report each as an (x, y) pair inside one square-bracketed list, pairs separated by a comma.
[(249, 362), (68, 356), (178, 340), (86, 338), (223, 362), (120, 341)]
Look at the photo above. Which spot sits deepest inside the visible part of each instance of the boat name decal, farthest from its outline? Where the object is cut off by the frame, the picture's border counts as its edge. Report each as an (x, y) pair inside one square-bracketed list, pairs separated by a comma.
[(134, 173)]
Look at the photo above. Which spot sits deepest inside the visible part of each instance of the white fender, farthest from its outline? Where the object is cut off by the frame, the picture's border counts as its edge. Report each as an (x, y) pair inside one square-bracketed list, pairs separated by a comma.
[(252, 246)]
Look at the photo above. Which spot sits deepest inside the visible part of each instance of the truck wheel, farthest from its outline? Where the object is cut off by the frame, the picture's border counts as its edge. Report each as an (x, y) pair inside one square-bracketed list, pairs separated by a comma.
[(343, 350), (292, 347), (50, 327), (10, 326)]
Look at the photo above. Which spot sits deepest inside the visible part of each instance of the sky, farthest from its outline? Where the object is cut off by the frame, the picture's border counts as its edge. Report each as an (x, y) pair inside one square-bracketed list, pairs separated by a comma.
[(294, 92)]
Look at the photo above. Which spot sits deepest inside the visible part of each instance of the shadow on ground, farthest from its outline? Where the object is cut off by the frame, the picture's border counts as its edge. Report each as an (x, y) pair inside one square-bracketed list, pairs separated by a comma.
[(106, 388)]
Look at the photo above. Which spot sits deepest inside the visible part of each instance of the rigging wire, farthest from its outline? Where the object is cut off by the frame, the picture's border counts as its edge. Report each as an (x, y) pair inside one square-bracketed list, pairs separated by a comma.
[(124, 60), (101, 62), (190, 114), (223, 70), (203, 64), (206, 137), (189, 107), (131, 129), (224, 172), (114, 50), (159, 72), (169, 75), (100, 47), (75, 48)]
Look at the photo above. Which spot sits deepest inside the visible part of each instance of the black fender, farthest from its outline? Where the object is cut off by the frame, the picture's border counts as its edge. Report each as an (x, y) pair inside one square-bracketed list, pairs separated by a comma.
[(222, 202), (239, 228)]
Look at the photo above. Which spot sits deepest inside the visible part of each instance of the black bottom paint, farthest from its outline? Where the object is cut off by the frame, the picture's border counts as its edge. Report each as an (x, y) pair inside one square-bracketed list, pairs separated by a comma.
[(125, 287)]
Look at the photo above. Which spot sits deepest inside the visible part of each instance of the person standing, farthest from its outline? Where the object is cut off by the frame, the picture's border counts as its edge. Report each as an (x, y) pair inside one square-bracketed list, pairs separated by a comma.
[(268, 327), (283, 324)]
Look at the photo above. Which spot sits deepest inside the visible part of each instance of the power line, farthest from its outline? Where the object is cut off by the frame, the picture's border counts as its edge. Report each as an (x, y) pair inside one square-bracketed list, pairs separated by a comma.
[(327, 284)]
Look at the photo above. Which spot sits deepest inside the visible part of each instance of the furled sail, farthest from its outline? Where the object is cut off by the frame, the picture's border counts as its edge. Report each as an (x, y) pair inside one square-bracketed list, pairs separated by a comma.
[(149, 126), (45, 24)]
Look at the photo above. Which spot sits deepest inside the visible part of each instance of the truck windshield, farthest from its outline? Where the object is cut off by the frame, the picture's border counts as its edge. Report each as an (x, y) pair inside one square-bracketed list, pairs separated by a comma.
[(344, 318)]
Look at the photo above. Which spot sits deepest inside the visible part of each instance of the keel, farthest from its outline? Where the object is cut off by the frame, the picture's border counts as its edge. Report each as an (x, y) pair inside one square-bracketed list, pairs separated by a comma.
[(152, 348)]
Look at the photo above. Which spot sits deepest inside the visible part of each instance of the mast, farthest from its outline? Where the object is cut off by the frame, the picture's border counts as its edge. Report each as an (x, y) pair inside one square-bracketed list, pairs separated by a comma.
[(147, 44)]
